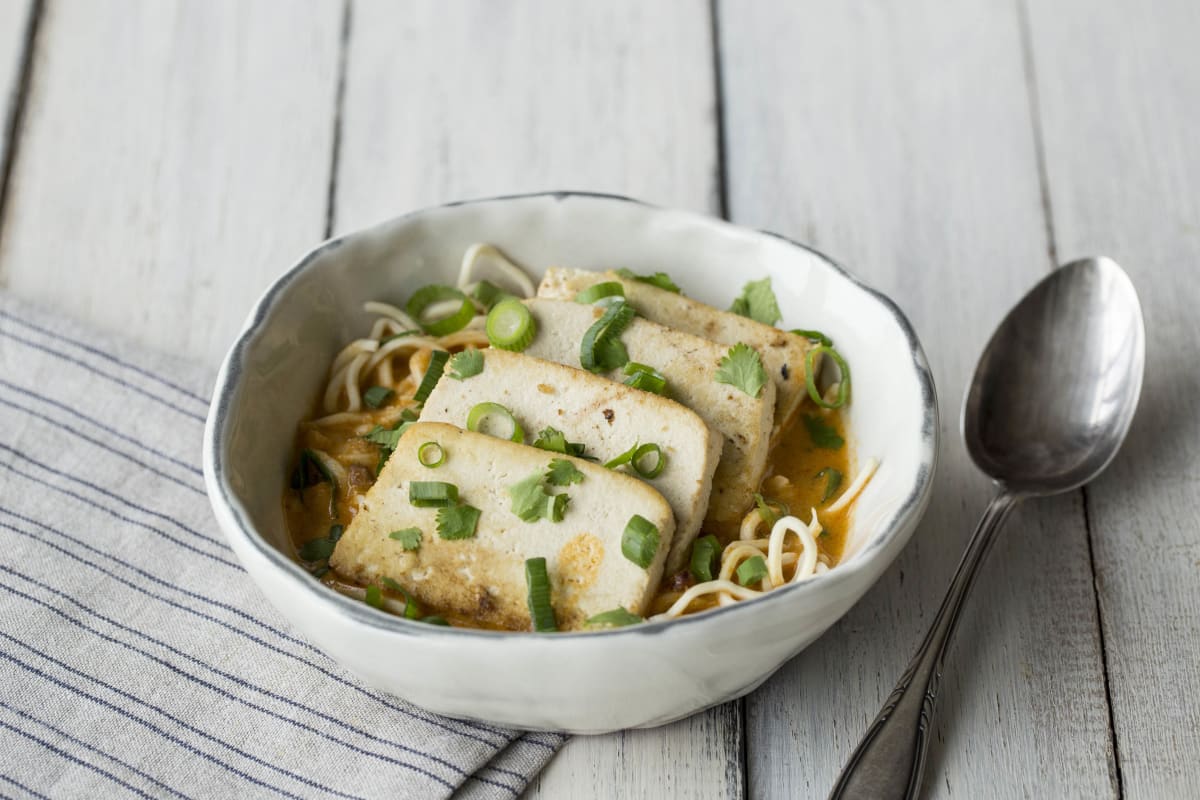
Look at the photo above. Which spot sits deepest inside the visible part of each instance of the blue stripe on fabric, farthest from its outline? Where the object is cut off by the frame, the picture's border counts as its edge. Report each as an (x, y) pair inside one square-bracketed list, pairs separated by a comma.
[(113, 495), (57, 354), (245, 684), (103, 446), (41, 673), (434, 721), (92, 748), (23, 787), (75, 759), (130, 520), (105, 355), (77, 414)]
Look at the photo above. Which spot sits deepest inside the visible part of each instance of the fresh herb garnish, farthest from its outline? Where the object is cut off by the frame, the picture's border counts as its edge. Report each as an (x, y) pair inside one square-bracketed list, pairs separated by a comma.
[(434, 619), (646, 378), (466, 364), (757, 301), (409, 538), (433, 374), (742, 367), (767, 511), (601, 348), (704, 554), (555, 441), (833, 482), (481, 413), (810, 369), (488, 294), (813, 336), (411, 609), (388, 438), (321, 548), (563, 473), (608, 291), (310, 471), (432, 494), (431, 455), (531, 501), (510, 325), (751, 571), (376, 396), (374, 596), (639, 542), (538, 599), (660, 279), (436, 294), (823, 434), (619, 617), (457, 521)]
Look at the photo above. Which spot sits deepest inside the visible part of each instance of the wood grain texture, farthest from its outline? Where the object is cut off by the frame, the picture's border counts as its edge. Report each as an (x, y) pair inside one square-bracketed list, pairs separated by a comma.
[(898, 138), (14, 26), (1119, 90), (174, 159), (448, 101)]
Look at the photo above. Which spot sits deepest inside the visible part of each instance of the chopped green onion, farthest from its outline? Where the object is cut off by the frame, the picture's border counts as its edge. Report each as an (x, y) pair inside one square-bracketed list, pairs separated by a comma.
[(813, 336), (310, 471), (510, 325), (433, 374), (623, 458), (409, 538), (538, 583), (619, 617), (810, 362), (409, 415), (648, 379), (374, 597), (660, 462), (457, 521), (411, 610), (488, 294), (434, 619), (432, 494), (321, 571), (435, 293), (659, 279), (704, 553), (639, 542), (466, 364), (482, 412), (431, 454), (767, 511), (823, 435), (601, 348), (833, 482), (751, 571), (317, 549), (377, 396), (600, 291), (562, 473)]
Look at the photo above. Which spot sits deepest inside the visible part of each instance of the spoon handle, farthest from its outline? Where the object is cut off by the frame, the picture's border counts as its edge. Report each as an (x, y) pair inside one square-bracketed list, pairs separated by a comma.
[(889, 760)]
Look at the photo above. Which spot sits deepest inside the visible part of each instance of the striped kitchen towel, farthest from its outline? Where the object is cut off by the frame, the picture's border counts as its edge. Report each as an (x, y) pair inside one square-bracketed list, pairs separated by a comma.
[(136, 656)]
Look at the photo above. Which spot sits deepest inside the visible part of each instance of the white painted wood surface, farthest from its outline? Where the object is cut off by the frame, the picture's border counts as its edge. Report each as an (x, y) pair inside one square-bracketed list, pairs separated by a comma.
[(899, 140), (1119, 99), (174, 156)]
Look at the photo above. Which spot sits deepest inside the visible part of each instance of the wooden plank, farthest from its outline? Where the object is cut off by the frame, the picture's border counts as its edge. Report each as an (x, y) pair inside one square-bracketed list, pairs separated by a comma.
[(1119, 90), (448, 101), (174, 159), (898, 138), (14, 31)]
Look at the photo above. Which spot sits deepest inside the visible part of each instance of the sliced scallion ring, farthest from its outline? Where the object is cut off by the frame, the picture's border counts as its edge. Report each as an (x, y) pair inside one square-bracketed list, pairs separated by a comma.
[(642, 452), (704, 553), (433, 374), (639, 542), (510, 325), (538, 584), (431, 454), (810, 363), (752, 571), (599, 291), (813, 336), (426, 296), (623, 458), (482, 412), (432, 494), (647, 379)]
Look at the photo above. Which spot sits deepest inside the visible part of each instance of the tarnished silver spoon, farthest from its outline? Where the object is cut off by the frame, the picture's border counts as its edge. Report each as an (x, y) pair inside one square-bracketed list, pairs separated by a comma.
[(1051, 401)]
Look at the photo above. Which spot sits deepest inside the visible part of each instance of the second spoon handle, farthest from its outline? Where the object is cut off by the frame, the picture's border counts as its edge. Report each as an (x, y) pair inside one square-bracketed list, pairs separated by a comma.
[(888, 762)]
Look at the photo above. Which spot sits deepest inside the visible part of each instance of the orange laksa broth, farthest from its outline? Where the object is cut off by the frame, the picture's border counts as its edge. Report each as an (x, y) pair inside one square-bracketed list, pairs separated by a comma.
[(807, 470)]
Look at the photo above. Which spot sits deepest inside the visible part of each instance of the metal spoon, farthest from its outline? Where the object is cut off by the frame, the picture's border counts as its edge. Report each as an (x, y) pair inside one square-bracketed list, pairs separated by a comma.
[(1051, 401)]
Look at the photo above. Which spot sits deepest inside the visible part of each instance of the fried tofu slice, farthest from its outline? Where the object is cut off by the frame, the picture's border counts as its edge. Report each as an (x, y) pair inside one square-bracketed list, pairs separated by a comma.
[(783, 353), (607, 417), (483, 577), (689, 364)]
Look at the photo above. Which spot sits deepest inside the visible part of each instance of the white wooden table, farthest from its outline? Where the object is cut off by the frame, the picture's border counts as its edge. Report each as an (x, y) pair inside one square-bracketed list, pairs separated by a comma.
[(164, 160)]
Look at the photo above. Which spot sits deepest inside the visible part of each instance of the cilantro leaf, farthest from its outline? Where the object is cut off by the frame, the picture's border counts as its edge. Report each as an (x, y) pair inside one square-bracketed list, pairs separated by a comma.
[(411, 610), (757, 301), (466, 364), (555, 441), (616, 618), (388, 438), (660, 280), (457, 521), (562, 473), (409, 538), (822, 433), (742, 367), (531, 501)]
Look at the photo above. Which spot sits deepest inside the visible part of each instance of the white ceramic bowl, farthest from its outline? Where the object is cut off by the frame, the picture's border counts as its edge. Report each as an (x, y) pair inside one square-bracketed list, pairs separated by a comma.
[(582, 682)]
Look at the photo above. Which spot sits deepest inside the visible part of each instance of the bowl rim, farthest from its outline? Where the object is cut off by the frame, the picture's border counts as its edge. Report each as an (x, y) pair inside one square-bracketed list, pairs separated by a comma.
[(230, 510)]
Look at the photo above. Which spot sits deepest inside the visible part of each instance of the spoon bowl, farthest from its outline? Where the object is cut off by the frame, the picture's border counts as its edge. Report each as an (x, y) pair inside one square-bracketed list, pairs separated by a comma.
[(1057, 385)]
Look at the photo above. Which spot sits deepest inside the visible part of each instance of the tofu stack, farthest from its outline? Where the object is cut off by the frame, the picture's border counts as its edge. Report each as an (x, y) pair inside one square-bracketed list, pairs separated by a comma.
[(482, 576)]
